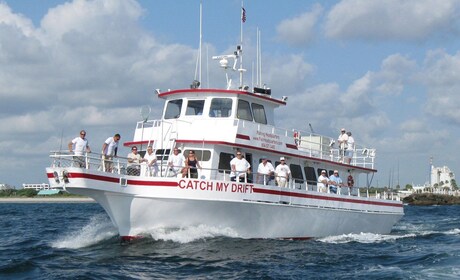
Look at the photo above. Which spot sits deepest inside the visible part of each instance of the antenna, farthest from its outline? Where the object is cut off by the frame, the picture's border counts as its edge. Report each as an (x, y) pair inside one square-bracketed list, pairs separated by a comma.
[(60, 144), (145, 112), (311, 128), (198, 59)]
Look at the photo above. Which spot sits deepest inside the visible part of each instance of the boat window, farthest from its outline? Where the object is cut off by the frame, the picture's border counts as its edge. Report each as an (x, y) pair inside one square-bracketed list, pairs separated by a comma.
[(220, 108), (296, 172), (310, 174), (244, 110), (224, 162), (162, 154), (259, 113), (201, 155), (173, 109), (194, 107)]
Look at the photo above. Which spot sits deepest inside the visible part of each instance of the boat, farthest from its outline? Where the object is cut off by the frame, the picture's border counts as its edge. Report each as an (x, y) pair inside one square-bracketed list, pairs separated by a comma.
[(218, 123)]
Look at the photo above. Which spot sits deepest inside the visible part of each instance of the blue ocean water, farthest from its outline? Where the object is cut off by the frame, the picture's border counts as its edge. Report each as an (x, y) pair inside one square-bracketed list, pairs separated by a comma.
[(78, 241)]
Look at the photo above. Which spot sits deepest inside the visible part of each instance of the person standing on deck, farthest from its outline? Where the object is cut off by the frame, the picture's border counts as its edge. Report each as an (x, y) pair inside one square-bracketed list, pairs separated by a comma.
[(176, 163), (335, 182), (351, 147), (240, 167), (79, 145), (322, 182), (265, 171), (282, 173), (151, 159), (343, 143), (109, 151)]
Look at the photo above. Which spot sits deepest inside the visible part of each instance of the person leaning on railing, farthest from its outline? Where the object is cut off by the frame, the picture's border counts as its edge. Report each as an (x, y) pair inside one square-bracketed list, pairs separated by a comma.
[(322, 181), (134, 160), (109, 150), (240, 167), (191, 165), (79, 145), (176, 162)]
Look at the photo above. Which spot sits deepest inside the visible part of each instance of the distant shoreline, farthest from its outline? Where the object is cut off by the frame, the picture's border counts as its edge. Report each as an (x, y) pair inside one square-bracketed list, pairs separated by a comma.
[(46, 200)]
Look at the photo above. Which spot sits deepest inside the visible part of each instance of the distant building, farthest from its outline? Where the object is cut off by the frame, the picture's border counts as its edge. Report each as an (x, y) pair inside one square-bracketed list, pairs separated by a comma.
[(440, 181), (37, 187), (441, 177)]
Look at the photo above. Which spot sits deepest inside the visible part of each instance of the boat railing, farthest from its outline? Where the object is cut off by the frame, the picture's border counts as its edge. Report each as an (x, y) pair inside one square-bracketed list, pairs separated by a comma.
[(308, 144), (318, 146), (120, 166)]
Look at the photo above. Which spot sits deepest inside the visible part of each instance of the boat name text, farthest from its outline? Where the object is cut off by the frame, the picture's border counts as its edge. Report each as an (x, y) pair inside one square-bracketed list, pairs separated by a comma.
[(215, 186)]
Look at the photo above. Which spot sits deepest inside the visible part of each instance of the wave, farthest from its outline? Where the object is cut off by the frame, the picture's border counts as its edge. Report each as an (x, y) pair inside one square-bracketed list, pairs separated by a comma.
[(190, 234), (377, 238), (99, 228), (364, 238)]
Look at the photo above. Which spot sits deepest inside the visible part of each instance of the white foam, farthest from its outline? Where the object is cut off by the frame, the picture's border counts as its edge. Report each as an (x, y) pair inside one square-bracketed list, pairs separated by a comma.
[(453, 231), (363, 238), (99, 228), (190, 234)]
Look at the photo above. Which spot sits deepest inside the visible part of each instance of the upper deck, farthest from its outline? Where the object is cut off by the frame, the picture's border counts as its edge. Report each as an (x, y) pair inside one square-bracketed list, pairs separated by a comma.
[(241, 119)]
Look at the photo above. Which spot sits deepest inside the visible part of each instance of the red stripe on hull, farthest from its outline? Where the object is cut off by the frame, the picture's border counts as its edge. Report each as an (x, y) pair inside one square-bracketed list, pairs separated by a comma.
[(255, 189), (312, 196)]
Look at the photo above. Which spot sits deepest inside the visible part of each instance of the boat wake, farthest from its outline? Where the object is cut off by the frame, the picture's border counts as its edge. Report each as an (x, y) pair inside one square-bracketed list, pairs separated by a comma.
[(378, 238), (99, 228), (364, 238), (190, 234)]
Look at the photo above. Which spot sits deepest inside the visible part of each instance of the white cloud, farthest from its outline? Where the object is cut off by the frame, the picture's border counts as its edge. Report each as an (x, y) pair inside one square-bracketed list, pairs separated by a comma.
[(440, 75), (299, 31), (392, 19)]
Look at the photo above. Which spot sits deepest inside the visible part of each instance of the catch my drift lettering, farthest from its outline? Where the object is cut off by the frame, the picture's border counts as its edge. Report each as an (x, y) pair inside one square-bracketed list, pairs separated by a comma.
[(216, 186)]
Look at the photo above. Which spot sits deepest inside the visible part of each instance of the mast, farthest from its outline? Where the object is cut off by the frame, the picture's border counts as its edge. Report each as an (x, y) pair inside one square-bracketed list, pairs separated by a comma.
[(201, 40), (243, 20)]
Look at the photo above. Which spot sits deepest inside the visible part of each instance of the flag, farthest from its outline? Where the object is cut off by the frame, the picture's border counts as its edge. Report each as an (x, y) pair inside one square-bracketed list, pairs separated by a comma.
[(243, 14)]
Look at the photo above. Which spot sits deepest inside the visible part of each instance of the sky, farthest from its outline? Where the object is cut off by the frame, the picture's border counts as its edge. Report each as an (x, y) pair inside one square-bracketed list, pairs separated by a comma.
[(388, 71)]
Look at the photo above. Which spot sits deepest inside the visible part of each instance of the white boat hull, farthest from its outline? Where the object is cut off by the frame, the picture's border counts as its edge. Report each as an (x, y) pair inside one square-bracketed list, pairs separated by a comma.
[(249, 210)]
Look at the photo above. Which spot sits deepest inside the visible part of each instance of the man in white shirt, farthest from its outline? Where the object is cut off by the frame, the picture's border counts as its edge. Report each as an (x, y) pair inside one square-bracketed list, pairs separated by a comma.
[(109, 150), (351, 147), (176, 163), (134, 160), (322, 182), (282, 173), (240, 167), (79, 145), (151, 159), (343, 143), (265, 171)]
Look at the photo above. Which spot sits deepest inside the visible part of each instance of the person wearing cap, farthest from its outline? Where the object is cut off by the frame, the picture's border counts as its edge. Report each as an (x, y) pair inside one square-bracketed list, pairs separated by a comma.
[(240, 166), (335, 182), (176, 163), (282, 173), (134, 159), (343, 143), (265, 171), (322, 181)]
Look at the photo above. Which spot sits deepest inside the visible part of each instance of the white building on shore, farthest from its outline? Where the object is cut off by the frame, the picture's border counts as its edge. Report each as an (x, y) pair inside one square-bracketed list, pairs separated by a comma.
[(441, 179)]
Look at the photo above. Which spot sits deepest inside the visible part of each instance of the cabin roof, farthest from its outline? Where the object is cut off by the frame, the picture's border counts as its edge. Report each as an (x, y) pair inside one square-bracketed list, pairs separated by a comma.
[(209, 91)]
